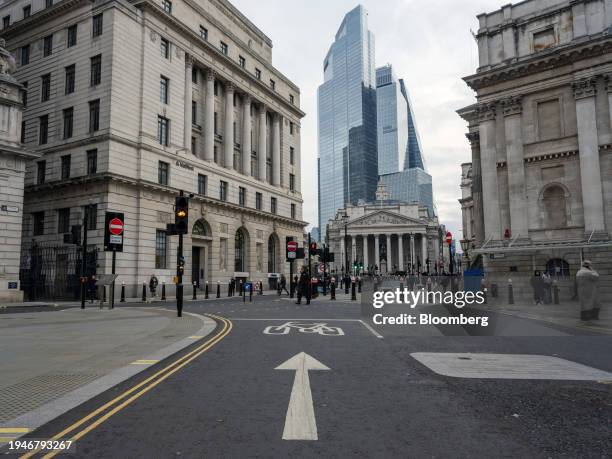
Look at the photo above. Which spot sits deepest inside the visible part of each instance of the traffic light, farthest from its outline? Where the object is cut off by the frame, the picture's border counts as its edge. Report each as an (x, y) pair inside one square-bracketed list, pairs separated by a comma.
[(312, 249), (181, 264), (181, 214)]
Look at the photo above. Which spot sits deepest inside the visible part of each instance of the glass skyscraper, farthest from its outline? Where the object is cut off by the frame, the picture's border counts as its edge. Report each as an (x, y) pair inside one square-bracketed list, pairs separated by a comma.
[(399, 146), (348, 165)]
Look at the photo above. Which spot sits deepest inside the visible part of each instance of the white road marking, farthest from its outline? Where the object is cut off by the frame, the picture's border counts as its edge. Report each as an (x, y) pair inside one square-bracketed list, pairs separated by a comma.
[(320, 328), (508, 366), (371, 329), (300, 422)]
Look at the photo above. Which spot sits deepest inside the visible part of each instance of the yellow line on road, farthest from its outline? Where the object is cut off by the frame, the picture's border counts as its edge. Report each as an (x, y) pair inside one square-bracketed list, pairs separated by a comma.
[(146, 386), (144, 362), (9, 430)]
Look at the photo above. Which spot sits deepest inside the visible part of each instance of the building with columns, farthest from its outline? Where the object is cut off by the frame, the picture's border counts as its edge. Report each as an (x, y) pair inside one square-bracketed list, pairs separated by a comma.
[(467, 203), (13, 158), (130, 101), (541, 140), (386, 236)]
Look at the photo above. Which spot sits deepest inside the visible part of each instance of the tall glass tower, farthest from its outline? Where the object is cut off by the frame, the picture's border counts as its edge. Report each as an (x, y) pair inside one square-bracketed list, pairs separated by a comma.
[(348, 165), (399, 146)]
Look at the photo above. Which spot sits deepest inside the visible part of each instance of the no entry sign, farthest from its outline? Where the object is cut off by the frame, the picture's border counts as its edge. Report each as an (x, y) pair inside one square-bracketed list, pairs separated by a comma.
[(291, 250), (449, 238), (114, 232)]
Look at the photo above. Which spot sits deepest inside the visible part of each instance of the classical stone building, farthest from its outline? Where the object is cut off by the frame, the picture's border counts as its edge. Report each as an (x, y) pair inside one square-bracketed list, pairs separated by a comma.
[(467, 203), (385, 236), (541, 140), (130, 102), (13, 157)]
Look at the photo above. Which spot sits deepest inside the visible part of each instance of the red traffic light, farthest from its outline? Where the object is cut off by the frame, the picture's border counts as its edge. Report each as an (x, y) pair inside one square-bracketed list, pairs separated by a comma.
[(313, 247)]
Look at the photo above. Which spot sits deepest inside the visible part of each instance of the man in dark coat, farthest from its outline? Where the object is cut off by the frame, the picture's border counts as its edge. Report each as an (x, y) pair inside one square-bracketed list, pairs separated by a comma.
[(587, 280), (303, 287), (537, 283)]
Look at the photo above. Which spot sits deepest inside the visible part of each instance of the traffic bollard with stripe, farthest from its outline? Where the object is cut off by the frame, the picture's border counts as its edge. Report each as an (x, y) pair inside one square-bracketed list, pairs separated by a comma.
[(218, 289), (122, 300), (206, 291), (163, 298), (195, 297), (144, 292)]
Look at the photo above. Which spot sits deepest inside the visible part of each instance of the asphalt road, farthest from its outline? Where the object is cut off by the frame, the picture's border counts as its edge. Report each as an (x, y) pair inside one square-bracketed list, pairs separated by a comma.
[(376, 400)]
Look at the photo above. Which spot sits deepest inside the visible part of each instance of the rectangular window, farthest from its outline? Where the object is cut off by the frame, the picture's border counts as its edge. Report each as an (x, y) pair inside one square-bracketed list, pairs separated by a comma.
[(48, 3), (63, 220), (167, 6), (242, 61), (161, 249), (293, 211), (163, 126), (273, 205), (242, 196), (27, 11), (45, 87), (94, 115), (25, 55), (38, 223), (194, 112), (163, 169), (70, 79), (6, 21), (291, 99), (194, 75), (291, 127), (203, 33), (216, 124), (273, 85), (194, 145), (164, 48), (258, 74), (96, 70), (92, 216), (23, 128), (202, 184), (97, 25), (258, 199), (223, 191), (224, 48), (41, 171), (71, 37), (43, 131), (215, 155), (24, 94), (66, 160), (164, 86), (292, 182), (92, 162), (47, 45), (68, 116), (291, 156)]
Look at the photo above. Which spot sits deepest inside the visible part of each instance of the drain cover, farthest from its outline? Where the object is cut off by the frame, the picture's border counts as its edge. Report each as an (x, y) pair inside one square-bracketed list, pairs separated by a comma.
[(508, 366)]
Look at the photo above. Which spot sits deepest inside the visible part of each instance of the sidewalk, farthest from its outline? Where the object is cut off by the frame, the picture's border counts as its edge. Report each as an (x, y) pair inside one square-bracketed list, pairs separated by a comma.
[(50, 362), (564, 314)]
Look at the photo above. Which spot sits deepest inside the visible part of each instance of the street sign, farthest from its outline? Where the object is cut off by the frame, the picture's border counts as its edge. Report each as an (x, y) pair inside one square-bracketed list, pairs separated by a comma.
[(322, 268), (449, 237), (114, 230), (292, 250)]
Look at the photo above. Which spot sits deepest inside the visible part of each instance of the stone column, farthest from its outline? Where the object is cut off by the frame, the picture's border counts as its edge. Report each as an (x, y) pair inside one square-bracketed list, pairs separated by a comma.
[(228, 132), (276, 150), (353, 249), (436, 250), (512, 109), (387, 251), (588, 145), (377, 250), (365, 252), (261, 149), (488, 150), (209, 117), (608, 80), (412, 259), (246, 135), (423, 251), (342, 251), (474, 138), (400, 249), (188, 100)]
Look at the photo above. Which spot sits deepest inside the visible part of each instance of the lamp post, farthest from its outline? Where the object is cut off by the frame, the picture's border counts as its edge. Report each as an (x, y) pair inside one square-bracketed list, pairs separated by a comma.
[(345, 218), (465, 247)]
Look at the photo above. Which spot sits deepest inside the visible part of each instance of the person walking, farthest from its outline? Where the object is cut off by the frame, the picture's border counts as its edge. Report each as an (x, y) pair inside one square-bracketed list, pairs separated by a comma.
[(537, 284), (587, 280), (303, 287), (547, 284), (282, 285)]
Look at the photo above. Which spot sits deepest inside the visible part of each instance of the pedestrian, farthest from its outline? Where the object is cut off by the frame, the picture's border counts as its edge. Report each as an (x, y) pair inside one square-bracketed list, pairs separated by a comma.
[(303, 287), (547, 283), (283, 285), (537, 284), (587, 280)]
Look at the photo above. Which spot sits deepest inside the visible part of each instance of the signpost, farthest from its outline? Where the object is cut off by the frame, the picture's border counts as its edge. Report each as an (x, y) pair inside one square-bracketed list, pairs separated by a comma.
[(113, 242), (291, 252)]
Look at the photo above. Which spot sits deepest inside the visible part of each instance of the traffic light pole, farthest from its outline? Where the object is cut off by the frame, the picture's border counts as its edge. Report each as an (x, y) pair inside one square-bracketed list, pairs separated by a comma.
[(179, 276), (84, 260), (324, 269), (309, 267)]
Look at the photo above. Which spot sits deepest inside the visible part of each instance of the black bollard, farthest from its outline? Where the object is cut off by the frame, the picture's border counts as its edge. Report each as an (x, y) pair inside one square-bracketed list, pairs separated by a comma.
[(353, 295), (218, 289), (251, 294), (195, 297), (144, 292), (510, 292), (206, 291), (333, 290), (359, 286), (260, 287), (240, 287), (163, 298), (229, 289), (122, 300), (346, 288)]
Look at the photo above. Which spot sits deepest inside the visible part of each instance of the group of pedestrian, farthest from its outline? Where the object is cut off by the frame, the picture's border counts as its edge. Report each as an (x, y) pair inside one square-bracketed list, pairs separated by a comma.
[(542, 285)]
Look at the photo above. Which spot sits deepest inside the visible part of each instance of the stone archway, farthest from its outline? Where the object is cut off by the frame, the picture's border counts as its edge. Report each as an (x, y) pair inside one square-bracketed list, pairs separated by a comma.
[(241, 250), (274, 262), (201, 253)]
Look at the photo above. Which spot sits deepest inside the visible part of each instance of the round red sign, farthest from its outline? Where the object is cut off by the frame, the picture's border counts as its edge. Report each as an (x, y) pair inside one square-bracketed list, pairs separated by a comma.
[(115, 226), (449, 237), (291, 246)]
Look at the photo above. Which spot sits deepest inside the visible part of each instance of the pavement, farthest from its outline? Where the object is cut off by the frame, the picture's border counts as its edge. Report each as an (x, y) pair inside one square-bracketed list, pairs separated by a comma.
[(276, 379), (51, 361)]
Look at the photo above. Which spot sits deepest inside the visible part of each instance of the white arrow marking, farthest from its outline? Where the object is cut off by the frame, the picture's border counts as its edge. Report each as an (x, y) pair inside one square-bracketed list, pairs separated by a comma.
[(300, 423)]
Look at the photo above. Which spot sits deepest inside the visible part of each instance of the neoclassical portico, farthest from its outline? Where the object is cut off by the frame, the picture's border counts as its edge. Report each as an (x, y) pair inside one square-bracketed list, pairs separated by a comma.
[(384, 238)]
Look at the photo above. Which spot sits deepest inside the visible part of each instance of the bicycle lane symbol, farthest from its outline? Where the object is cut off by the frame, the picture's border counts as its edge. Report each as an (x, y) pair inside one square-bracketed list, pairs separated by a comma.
[(320, 328)]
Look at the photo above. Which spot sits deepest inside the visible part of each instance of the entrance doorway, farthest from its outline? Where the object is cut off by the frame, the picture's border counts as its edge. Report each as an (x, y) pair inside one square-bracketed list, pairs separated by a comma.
[(198, 266)]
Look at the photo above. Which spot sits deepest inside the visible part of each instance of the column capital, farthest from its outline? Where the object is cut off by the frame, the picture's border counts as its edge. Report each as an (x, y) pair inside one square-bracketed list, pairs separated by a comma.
[(512, 106), (188, 60), (486, 112), (584, 88), (230, 87), (210, 75), (246, 98), (474, 138), (608, 81), (262, 108)]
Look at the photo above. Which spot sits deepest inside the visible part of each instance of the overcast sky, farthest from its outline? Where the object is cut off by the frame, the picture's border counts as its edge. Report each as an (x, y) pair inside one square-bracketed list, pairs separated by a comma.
[(430, 46)]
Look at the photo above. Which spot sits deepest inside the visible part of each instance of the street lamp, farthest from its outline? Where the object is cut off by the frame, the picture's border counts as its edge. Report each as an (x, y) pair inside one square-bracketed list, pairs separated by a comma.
[(465, 247)]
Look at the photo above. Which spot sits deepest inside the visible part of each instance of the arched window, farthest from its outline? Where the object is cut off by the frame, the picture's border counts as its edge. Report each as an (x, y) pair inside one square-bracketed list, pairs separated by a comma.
[(272, 248), (558, 267), (554, 207), (240, 249), (200, 228)]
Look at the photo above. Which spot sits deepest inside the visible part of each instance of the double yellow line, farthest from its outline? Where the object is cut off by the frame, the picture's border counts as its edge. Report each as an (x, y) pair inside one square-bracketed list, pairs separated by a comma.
[(135, 392)]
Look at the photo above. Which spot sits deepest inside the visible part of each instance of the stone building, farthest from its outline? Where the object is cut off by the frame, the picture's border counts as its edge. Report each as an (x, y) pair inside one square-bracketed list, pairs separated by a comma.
[(386, 236), (130, 102), (541, 139), (467, 204), (13, 158)]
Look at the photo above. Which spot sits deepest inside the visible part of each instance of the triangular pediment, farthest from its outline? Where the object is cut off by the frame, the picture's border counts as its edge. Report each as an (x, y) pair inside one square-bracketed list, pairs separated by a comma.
[(384, 217)]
